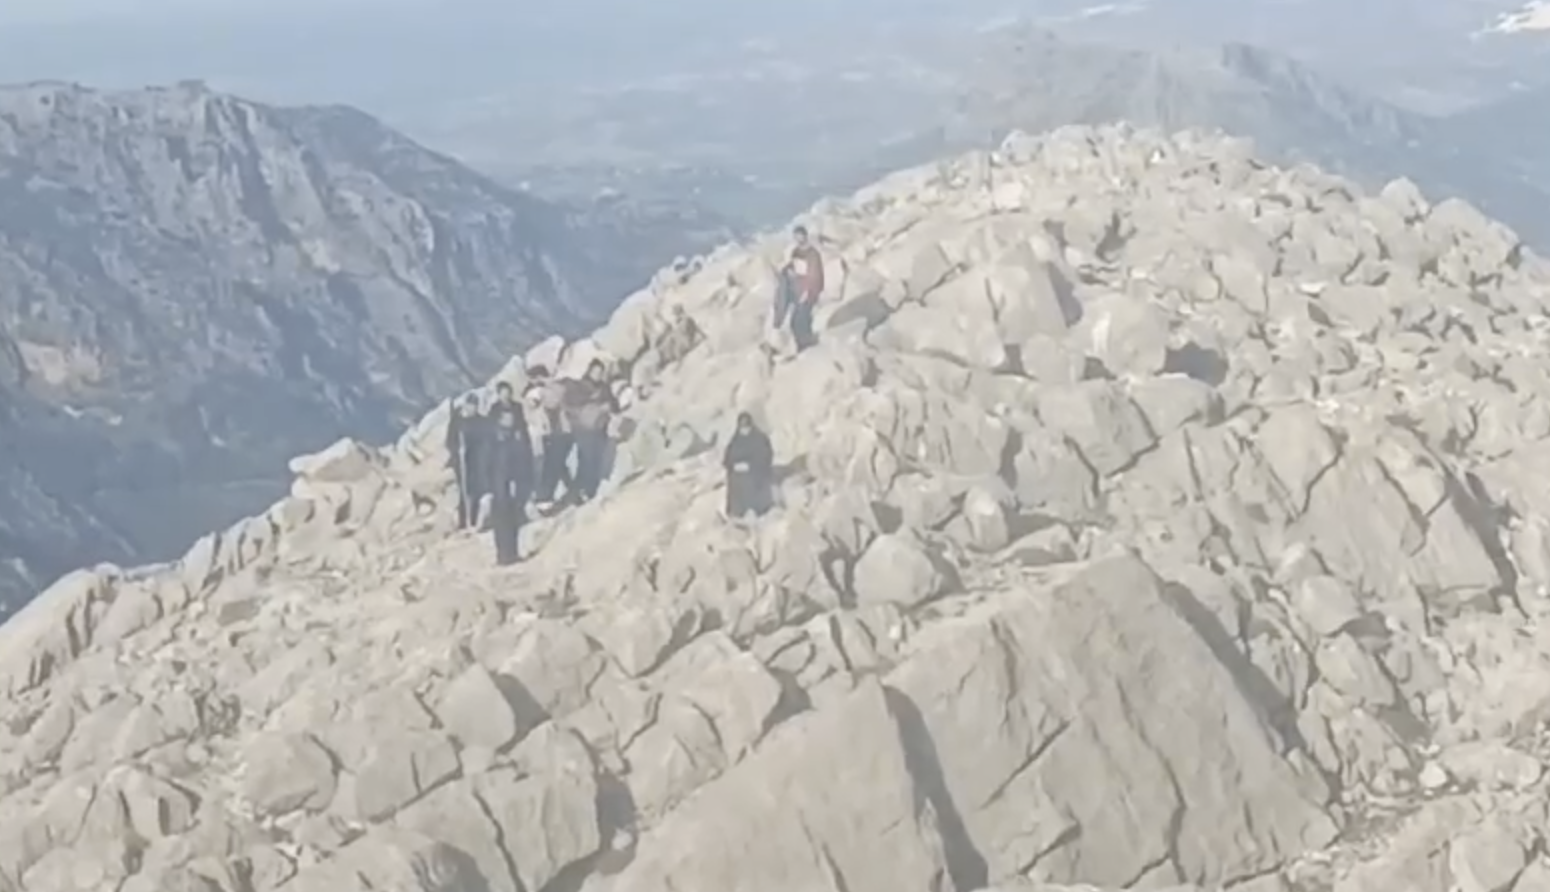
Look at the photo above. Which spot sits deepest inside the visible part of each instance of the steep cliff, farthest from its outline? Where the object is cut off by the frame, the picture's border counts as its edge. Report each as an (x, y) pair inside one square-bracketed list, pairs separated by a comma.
[(194, 287)]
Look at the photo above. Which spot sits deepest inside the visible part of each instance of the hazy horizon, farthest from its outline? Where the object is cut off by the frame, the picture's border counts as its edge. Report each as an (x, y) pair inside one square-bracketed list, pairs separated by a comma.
[(399, 58), (398, 54)]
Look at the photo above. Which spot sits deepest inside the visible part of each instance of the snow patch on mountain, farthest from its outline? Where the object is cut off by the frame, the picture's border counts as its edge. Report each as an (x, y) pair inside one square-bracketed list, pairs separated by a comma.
[(1534, 16)]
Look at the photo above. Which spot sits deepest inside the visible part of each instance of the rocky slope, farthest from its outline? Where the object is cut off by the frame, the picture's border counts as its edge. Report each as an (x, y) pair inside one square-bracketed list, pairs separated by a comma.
[(1150, 516), (196, 287)]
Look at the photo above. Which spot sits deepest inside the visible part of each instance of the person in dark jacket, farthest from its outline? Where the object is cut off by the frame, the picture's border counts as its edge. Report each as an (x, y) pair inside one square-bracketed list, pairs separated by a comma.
[(591, 411), (750, 463), (505, 398), (511, 477), (467, 437)]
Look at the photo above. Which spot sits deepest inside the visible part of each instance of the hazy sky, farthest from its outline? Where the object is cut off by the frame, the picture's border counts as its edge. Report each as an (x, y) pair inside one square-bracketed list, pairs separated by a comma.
[(23, 12), (400, 52), (395, 57), (294, 50)]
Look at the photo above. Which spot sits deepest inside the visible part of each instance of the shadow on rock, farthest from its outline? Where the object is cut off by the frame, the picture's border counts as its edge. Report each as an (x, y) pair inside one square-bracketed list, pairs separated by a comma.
[(1195, 361), (964, 862)]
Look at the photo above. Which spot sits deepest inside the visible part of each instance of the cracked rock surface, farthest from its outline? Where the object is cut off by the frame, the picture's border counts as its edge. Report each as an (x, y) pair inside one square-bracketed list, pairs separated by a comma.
[(1149, 517)]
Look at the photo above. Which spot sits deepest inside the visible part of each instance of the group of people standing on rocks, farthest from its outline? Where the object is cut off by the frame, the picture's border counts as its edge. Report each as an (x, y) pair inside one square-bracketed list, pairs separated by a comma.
[(576, 419), (497, 467), (500, 471)]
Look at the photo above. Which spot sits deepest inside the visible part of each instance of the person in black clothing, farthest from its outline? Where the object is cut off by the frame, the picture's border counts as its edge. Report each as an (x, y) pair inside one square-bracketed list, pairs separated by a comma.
[(505, 398), (467, 437), (750, 463), (511, 477)]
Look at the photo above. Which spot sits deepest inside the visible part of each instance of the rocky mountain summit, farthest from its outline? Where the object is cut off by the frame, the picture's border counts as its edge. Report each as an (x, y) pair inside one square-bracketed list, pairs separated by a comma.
[(196, 287), (1151, 517)]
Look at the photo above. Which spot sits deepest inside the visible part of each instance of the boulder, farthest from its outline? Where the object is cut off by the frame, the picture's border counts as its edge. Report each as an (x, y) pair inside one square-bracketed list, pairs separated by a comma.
[(346, 461)]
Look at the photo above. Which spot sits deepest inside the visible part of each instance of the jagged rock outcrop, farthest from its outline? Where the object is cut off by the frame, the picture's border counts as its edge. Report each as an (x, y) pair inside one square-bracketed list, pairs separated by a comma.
[(196, 287), (1149, 518)]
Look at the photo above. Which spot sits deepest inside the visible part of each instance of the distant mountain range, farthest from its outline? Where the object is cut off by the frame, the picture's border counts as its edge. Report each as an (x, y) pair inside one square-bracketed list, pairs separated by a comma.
[(1029, 78), (1516, 128), (803, 118), (1433, 56), (194, 288)]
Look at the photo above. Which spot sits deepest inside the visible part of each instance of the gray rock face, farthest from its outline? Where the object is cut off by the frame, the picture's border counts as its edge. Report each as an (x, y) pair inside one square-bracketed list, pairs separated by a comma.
[(1278, 620), (194, 288)]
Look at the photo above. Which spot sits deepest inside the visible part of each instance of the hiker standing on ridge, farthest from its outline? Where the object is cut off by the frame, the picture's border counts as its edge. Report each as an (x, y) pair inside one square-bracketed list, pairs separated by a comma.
[(510, 473), (556, 443), (505, 406), (591, 410), (801, 284), (467, 440), (750, 462)]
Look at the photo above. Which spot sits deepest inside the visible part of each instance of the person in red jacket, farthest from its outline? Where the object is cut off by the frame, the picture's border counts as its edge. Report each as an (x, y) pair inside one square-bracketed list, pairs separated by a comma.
[(801, 286)]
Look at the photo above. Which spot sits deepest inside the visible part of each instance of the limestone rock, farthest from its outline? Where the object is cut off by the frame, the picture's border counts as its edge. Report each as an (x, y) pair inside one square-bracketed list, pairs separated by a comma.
[(286, 772), (1493, 764), (1050, 678), (475, 711), (398, 768), (1166, 520), (1326, 604), (1488, 860), (548, 817), (898, 570), (391, 859), (1131, 337), (346, 461), (811, 815), (640, 639)]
